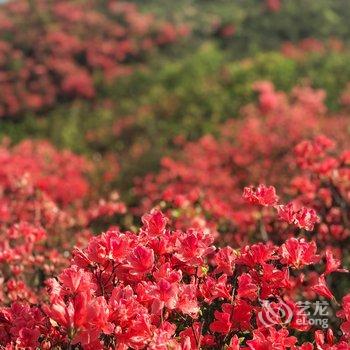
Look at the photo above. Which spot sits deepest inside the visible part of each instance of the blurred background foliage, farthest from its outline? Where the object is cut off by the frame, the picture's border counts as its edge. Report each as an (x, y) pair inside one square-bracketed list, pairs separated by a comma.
[(259, 25), (190, 87)]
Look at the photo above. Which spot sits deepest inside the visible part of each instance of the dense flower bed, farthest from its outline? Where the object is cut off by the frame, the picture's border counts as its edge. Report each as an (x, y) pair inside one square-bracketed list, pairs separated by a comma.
[(47, 205), (227, 266), (53, 51), (239, 240), (203, 185), (172, 289)]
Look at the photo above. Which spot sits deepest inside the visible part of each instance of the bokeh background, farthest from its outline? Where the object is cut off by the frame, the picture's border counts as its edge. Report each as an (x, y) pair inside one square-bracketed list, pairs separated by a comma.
[(128, 81)]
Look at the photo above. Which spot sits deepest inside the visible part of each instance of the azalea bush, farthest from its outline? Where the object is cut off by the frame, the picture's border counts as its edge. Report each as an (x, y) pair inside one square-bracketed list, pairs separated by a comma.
[(202, 185), (47, 205), (232, 227), (138, 116), (226, 265), (161, 288), (173, 282), (52, 52)]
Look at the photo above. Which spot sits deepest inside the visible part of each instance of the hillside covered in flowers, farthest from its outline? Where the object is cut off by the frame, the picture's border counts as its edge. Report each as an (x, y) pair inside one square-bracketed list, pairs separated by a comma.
[(174, 175)]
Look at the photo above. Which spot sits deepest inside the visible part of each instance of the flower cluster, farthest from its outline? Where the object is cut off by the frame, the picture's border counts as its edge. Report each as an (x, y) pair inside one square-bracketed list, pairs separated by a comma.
[(202, 185), (53, 52), (273, 5), (172, 289), (309, 46), (304, 218), (46, 206)]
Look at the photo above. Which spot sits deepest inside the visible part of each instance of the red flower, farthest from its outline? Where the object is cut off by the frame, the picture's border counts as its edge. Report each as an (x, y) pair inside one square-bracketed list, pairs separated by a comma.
[(224, 260), (322, 289), (154, 223), (234, 343), (222, 323), (344, 313), (246, 288), (306, 218), (332, 264), (299, 253), (273, 339), (76, 280), (261, 195), (141, 260), (286, 212)]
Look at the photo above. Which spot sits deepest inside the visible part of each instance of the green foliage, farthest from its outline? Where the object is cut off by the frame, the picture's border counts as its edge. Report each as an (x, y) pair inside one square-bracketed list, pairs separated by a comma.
[(257, 28), (188, 97)]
